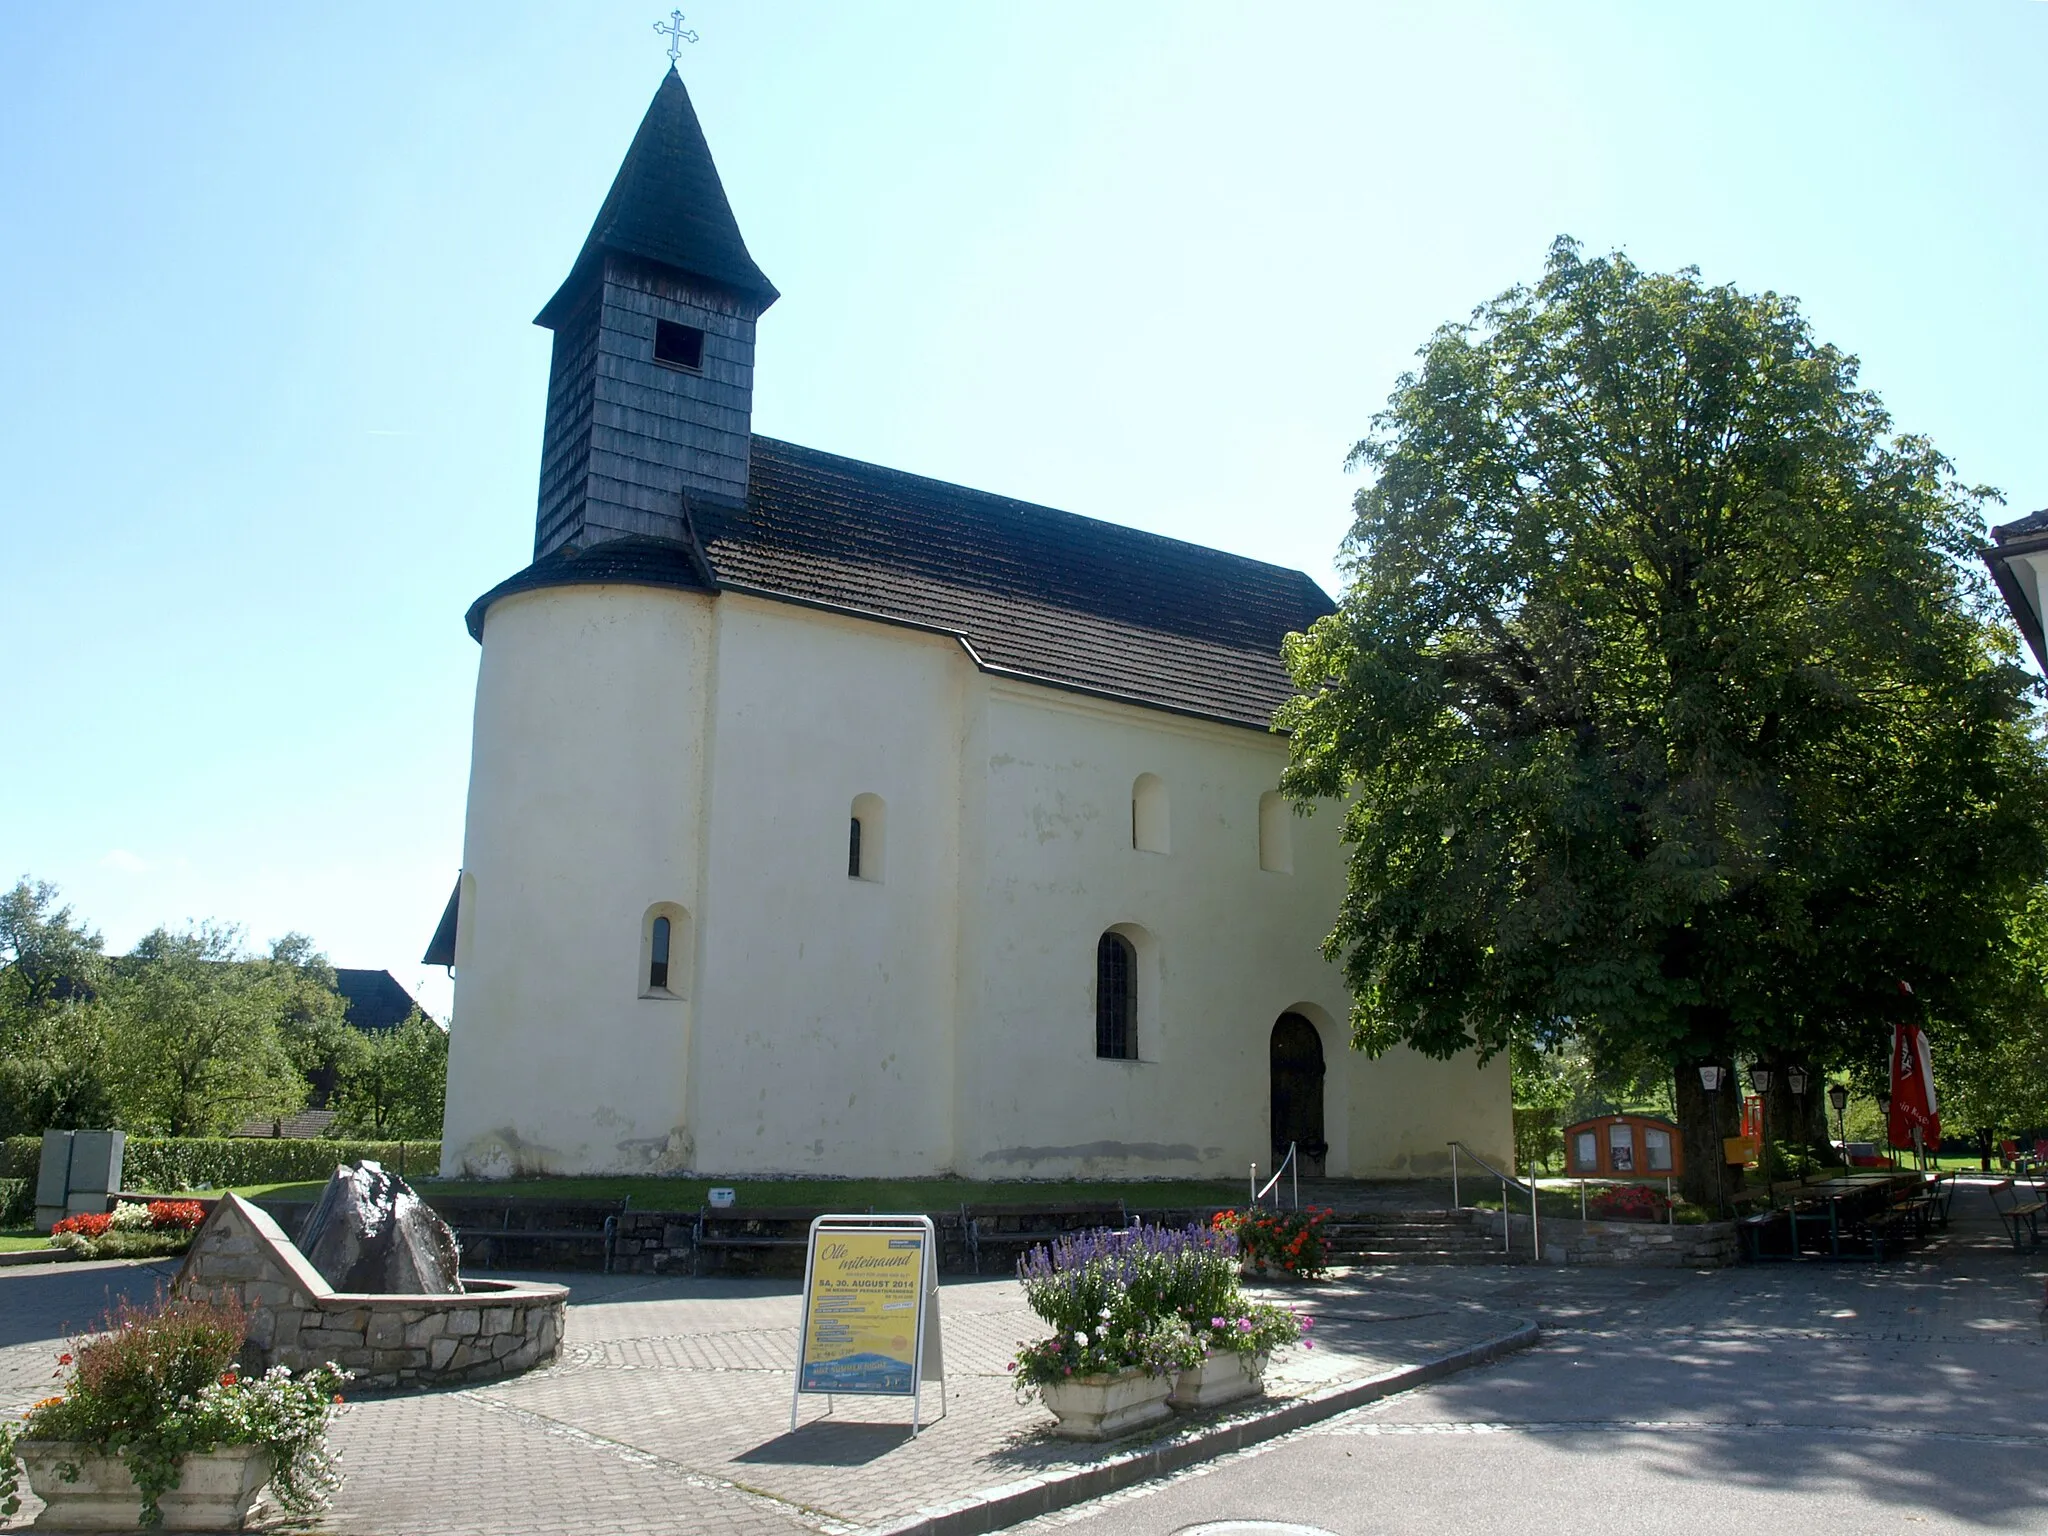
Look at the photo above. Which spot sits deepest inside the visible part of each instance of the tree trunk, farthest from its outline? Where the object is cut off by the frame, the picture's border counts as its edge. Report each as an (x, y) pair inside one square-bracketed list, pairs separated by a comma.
[(1703, 1121)]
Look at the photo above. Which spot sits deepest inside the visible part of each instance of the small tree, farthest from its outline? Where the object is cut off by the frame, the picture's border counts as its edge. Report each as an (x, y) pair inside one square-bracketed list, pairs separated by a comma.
[(395, 1082), (1665, 701), (53, 1031)]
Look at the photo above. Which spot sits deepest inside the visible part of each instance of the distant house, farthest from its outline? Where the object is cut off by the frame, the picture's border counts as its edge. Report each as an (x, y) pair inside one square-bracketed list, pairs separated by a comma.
[(2019, 564), (375, 1002)]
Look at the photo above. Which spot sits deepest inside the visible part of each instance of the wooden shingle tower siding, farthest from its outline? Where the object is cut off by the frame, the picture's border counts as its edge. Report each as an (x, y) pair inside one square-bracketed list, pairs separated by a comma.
[(629, 436)]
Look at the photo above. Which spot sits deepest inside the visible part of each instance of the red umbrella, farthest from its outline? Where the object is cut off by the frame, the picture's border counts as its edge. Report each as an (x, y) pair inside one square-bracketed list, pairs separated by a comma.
[(1914, 1104)]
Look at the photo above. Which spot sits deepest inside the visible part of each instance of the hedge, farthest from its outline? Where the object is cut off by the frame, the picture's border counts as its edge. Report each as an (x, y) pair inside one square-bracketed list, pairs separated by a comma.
[(162, 1164), (17, 1202)]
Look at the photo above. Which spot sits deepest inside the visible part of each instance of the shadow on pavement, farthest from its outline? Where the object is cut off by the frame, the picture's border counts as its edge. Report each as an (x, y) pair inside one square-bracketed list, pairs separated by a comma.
[(826, 1444)]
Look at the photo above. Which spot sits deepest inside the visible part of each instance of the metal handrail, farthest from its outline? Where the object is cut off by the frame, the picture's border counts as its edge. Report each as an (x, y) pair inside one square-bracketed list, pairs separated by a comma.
[(1507, 1225), (1259, 1193)]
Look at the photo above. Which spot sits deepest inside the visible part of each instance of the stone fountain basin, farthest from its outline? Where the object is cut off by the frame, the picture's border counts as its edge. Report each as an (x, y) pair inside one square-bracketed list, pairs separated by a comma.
[(493, 1328)]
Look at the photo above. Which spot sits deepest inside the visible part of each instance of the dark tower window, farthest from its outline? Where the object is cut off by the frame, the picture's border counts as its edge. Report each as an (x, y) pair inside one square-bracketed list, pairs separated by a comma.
[(680, 346), (853, 848), (657, 969), (1116, 998)]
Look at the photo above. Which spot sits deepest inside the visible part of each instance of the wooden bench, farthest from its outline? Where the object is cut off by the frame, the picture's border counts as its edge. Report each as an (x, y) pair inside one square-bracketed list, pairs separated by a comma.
[(1026, 1225), (757, 1229), (2017, 1213), (486, 1246)]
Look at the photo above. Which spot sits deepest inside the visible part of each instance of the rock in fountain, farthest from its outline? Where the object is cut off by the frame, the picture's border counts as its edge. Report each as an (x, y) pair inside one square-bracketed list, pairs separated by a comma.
[(371, 1233)]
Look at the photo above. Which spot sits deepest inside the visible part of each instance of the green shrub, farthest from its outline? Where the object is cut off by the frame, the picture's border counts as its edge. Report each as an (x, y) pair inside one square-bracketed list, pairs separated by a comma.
[(17, 1202), (163, 1164)]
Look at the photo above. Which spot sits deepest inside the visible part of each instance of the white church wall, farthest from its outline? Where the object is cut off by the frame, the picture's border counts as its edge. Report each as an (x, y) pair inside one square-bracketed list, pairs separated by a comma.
[(1232, 945), (584, 797), (827, 1002)]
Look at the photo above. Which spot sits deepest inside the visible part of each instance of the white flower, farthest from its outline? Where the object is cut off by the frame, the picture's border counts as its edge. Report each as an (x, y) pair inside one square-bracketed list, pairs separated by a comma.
[(1081, 1338)]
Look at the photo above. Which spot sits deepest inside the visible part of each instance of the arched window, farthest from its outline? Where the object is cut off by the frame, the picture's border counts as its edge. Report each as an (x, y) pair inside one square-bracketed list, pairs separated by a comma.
[(1116, 998), (657, 967), (1149, 831), (865, 833), (1276, 833), (665, 947)]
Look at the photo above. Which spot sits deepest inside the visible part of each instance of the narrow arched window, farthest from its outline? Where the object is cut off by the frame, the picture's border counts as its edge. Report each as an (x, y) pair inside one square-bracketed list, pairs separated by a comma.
[(1116, 998), (1276, 833), (866, 834), (1149, 829), (657, 965)]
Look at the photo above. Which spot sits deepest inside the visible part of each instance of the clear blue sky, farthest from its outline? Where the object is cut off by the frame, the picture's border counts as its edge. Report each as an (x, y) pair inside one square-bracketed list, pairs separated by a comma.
[(270, 400)]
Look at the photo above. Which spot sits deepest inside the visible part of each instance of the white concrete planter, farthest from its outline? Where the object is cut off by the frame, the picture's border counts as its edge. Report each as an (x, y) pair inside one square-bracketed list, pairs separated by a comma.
[(1103, 1407), (1222, 1378), (215, 1492)]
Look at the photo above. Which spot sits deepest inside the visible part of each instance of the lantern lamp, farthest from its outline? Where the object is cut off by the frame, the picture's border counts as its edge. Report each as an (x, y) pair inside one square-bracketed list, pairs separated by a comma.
[(1760, 1078), (1838, 1096), (1795, 1079), (1710, 1078), (1884, 1105)]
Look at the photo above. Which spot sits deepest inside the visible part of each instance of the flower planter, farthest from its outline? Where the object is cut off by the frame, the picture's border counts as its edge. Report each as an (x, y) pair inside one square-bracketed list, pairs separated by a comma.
[(1103, 1407), (1224, 1377), (215, 1492)]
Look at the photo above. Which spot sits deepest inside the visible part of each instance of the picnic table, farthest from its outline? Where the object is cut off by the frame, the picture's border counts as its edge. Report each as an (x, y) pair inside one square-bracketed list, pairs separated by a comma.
[(1849, 1215)]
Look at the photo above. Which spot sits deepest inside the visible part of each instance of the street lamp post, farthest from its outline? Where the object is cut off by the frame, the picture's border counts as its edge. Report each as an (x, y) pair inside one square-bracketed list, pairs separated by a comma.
[(1838, 1096), (1795, 1079), (1710, 1079), (1760, 1080)]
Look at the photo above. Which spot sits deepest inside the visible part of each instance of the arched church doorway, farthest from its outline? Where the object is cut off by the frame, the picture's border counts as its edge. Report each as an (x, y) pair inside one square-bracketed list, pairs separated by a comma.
[(1296, 1055)]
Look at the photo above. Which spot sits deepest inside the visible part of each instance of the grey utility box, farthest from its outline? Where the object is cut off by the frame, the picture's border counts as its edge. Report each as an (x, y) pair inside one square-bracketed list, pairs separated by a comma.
[(80, 1171), (53, 1179), (95, 1170)]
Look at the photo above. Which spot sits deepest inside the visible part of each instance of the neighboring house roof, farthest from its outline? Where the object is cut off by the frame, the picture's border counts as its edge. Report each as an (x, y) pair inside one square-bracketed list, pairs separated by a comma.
[(667, 205), (375, 999), (1041, 594), (2023, 536), (307, 1125)]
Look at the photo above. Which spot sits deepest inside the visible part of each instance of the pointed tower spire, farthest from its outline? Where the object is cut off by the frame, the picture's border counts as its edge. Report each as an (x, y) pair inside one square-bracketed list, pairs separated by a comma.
[(650, 396), (667, 206)]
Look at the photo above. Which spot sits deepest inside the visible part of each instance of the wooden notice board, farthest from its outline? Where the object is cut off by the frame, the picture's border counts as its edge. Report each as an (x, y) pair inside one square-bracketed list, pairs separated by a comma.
[(871, 1312)]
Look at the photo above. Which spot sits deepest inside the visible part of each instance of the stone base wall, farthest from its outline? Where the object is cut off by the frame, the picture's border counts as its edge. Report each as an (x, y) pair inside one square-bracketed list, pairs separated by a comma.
[(494, 1328), (1649, 1244)]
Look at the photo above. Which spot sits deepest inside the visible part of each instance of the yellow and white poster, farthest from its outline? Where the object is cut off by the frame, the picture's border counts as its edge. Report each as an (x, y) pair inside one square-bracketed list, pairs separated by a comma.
[(864, 1304)]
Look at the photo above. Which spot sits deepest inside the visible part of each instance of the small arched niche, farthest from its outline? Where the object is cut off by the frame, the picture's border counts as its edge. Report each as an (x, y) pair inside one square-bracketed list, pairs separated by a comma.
[(1276, 833), (665, 951), (866, 838), (1151, 829)]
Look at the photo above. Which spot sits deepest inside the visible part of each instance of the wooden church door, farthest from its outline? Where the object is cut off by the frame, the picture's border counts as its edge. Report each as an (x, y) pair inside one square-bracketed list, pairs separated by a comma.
[(1297, 1066)]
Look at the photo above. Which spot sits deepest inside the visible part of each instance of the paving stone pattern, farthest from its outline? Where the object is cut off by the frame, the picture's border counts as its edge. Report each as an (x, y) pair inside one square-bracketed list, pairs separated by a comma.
[(668, 1409)]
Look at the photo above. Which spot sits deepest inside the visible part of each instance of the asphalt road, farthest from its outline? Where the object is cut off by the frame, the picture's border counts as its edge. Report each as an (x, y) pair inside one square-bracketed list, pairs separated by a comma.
[(1826, 1398)]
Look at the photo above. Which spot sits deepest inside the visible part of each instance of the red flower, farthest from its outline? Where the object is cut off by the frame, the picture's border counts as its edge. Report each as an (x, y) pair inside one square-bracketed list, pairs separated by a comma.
[(227, 1379), (63, 1359)]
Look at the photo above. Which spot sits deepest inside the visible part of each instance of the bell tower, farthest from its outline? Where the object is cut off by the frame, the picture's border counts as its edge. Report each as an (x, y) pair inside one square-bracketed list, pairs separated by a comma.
[(651, 391)]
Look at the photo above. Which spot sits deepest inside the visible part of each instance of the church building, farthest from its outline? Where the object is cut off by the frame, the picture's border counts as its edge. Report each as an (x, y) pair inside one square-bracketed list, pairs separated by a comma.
[(828, 819)]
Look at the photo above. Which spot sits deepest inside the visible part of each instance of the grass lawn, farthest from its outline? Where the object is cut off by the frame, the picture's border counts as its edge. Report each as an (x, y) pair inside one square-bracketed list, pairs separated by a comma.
[(929, 1195), (15, 1239)]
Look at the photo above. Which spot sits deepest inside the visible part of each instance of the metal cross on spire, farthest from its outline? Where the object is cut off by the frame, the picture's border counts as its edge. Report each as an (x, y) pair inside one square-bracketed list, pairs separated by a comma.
[(676, 33)]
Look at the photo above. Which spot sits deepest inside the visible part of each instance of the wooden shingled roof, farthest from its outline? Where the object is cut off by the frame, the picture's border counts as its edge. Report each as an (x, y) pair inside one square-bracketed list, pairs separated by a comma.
[(1032, 592), (668, 206)]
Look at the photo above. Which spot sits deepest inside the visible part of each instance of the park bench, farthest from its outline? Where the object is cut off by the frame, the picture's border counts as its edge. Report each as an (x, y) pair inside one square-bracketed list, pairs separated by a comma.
[(1021, 1227), (763, 1231), (533, 1231), (2017, 1213)]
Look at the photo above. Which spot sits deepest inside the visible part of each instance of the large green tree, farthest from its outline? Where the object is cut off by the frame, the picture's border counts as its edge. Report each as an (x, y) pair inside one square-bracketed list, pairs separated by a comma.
[(198, 1047), (1665, 701)]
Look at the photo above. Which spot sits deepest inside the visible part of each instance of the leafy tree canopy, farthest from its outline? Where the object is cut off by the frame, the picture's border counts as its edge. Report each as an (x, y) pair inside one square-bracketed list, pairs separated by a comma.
[(1666, 701)]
